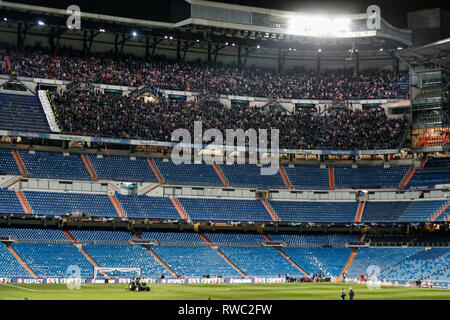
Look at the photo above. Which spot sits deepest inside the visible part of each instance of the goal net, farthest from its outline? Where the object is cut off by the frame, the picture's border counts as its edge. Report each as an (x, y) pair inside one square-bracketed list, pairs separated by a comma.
[(117, 272)]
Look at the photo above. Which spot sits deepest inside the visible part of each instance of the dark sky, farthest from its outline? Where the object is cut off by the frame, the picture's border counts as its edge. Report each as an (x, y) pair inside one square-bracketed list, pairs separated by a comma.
[(394, 11)]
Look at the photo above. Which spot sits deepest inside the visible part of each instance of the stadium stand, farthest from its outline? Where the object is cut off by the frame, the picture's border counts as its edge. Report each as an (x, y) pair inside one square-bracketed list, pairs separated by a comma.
[(371, 177), (9, 166), (147, 207), (22, 113), (314, 239), (383, 258), (121, 168), (53, 259), (382, 211), (307, 177), (420, 266), (223, 239), (315, 211), (35, 235), (252, 177), (188, 174), (9, 266), (435, 171), (174, 238), (194, 261), (55, 203), (329, 261), (55, 166), (9, 203), (124, 256), (207, 209), (100, 236), (259, 261)]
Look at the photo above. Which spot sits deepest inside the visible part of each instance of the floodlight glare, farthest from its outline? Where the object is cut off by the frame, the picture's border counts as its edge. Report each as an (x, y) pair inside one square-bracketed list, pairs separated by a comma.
[(319, 26)]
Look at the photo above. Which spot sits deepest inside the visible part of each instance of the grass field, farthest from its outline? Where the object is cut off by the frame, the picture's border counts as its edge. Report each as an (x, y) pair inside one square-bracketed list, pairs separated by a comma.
[(292, 291)]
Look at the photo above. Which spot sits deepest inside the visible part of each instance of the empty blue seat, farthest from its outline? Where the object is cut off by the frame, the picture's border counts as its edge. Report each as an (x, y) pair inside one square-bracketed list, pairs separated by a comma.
[(249, 176), (52, 165), (307, 177), (188, 174), (23, 113), (44, 203), (122, 168), (194, 261), (9, 203), (369, 176), (209, 209), (148, 207), (8, 164), (317, 211)]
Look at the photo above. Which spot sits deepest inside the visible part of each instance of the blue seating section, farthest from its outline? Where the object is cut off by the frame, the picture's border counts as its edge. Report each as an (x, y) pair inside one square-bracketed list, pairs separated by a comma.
[(188, 174), (35, 235), (381, 211), (148, 207), (420, 211), (206, 209), (308, 177), (51, 165), (420, 266), (436, 171), (330, 261), (314, 239), (380, 257), (122, 169), (315, 211), (194, 261), (22, 113), (249, 176), (260, 261), (125, 256), (8, 164), (101, 236), (370, 177), (43, 203), (9, 203), (235, 238), (53, 259), (9, 266), (175, 238)]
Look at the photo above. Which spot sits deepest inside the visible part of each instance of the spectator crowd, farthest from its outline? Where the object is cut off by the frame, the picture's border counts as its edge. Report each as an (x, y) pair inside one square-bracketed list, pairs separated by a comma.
[(118, 116), (159, 72)]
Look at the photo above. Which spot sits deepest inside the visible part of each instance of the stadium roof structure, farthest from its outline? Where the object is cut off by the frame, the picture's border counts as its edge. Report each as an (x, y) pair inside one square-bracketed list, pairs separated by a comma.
[(436, 53), (218, 23)]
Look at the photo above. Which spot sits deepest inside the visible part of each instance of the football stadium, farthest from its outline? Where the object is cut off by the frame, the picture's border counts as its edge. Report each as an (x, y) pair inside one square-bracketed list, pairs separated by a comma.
[(221, 151)]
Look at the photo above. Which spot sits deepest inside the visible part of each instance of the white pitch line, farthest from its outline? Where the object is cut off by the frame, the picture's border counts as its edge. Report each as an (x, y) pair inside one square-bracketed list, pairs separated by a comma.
[(14, 286)]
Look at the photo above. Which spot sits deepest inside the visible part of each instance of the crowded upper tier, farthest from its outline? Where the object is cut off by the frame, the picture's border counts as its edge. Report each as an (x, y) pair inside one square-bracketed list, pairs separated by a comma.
[(159, 72)]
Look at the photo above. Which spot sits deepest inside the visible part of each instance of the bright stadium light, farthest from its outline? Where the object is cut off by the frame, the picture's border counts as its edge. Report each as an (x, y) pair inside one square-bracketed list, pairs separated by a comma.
[(5, 19), (258, 46), (40, 22), (101, 30), (318, 26), (134, 33)]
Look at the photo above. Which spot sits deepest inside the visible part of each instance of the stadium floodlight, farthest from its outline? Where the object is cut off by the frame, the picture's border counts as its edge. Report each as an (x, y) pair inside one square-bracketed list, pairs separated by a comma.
[(198, 40), (40, 22), (399, 48), (101, 30), (381, 49), (319, 26), (166, 37), (171, 38), (258, 46), (134, 33), (319, 50), (5, 19)]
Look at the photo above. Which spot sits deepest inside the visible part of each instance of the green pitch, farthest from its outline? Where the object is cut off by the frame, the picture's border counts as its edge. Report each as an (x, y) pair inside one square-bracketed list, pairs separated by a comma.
[(317, 291)]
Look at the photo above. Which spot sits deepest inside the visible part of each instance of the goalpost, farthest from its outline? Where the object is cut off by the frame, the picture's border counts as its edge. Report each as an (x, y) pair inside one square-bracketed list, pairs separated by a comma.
[(117, 272)]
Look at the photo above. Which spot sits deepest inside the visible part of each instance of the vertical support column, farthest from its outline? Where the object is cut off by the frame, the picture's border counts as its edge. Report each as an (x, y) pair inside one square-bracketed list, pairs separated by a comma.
[(357, 62)]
